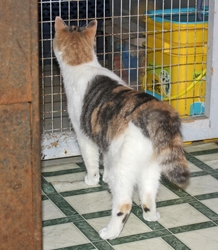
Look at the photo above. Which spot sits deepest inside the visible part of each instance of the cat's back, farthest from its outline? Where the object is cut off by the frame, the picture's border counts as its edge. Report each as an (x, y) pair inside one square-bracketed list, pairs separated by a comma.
[(109, 106)]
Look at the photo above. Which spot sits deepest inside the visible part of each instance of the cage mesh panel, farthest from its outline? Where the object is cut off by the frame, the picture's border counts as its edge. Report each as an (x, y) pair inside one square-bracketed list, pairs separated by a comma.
[(152, 51)]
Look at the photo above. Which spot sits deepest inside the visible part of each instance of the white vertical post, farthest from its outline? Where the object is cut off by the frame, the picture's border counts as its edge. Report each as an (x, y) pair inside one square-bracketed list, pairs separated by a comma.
[(207, 127)]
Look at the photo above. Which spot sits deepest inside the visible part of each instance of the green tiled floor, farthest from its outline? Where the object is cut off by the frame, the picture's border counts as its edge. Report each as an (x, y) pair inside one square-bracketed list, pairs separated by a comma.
[(73, 213)]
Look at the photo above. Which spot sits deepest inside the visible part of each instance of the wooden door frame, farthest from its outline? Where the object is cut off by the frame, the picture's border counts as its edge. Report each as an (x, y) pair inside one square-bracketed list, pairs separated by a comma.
[(20, 185)]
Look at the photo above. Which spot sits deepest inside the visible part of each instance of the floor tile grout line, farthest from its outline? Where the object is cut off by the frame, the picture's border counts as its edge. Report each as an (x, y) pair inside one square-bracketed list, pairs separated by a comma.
[(60, 221), (192, 227), (206, 196), (83, 191), (172, 202), (63, 172), (200, 164), (90, 233), (199, 173), (44, 197), (203, 209), (141, 236), (215, 175), (78, 247), (103, 245), (204, 152), (87, 235), (57, 199), (46, 186), (175, 243), (181, 193)]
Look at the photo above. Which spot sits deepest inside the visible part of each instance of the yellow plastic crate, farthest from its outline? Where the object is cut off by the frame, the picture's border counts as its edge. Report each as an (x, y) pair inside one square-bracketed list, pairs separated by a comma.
[(176, 68)]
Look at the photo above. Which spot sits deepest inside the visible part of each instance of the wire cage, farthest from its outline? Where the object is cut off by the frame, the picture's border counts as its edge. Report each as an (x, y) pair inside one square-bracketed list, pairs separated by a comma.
[(156, 46)]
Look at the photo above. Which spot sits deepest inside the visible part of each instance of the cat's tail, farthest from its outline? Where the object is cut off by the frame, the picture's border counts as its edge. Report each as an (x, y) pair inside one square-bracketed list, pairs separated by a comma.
[(168, 146), (173, 162)]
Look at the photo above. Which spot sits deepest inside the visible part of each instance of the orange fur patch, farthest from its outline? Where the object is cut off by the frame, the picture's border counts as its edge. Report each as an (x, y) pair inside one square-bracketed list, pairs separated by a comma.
[(177, 140), (94, 118), (125, 208), (144, 206), (119, 88), (116, 128), (76, 46), (120, 121)]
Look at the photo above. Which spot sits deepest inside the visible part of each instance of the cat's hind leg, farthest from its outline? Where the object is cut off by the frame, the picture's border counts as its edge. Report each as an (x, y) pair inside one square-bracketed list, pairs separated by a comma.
[(90, 154), (122, 205), (121, 184), (148, 185)]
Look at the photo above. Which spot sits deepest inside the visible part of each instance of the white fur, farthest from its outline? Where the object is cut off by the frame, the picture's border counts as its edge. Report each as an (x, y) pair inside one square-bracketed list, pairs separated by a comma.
[(129, 160)]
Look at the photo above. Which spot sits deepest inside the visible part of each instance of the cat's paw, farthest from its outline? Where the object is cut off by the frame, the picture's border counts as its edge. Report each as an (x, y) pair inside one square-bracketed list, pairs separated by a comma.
[(151, 216), (107, 234), (92, 181)]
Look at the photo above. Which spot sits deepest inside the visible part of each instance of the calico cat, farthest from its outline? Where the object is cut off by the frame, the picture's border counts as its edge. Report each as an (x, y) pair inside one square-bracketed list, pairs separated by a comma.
[(138, 135)]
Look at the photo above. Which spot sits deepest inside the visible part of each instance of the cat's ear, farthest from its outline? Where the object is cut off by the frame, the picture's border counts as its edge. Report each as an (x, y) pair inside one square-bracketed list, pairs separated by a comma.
[(91, 28), (59, 24)]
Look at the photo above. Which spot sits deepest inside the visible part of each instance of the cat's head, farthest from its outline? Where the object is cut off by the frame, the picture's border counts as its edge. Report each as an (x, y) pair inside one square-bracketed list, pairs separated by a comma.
[(74, 45)]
